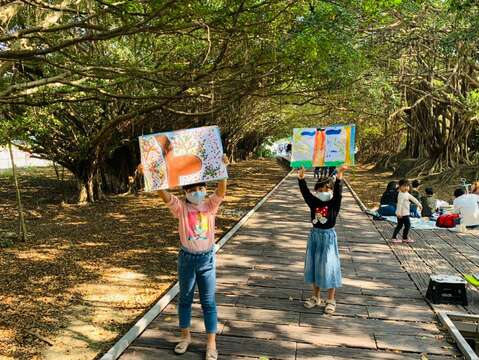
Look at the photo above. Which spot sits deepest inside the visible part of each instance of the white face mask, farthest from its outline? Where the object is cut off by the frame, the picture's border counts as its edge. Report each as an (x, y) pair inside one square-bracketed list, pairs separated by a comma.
[(196, 197), (324, 195)]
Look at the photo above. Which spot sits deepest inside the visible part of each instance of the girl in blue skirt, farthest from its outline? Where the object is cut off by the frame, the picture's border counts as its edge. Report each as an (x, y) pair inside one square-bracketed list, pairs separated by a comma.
[(322, 267)]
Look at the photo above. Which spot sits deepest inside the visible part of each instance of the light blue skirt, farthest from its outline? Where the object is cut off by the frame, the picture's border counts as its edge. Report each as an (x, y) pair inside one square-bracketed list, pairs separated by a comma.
[(321, 264)]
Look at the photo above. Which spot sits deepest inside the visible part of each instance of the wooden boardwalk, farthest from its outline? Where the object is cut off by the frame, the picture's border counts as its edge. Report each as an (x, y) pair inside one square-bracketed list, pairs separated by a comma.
[(380, 313), (439, 252)]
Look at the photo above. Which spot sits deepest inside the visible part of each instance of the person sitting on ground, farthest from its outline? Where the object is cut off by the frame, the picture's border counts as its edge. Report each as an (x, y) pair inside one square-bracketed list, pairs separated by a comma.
[(415, 192), (429, 203), (467, 205), (389, 200)]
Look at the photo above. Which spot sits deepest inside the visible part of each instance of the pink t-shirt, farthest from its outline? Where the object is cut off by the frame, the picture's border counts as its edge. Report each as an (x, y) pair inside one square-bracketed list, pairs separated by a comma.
[(196, 223)]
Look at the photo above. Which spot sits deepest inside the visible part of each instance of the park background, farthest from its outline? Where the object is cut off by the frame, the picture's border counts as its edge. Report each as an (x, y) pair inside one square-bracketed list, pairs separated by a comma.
[(81, 80)]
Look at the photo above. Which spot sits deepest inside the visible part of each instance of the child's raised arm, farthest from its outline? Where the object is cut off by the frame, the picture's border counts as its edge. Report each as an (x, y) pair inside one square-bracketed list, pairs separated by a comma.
[(309, 198), (338, 187), (165, 195), (415, 201), (341, 171), (221, 189)]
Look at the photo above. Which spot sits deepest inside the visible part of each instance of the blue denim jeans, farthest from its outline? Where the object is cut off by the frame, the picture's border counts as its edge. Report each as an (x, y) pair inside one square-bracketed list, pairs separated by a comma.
[(387, 210), (414, 211), (197, 269)]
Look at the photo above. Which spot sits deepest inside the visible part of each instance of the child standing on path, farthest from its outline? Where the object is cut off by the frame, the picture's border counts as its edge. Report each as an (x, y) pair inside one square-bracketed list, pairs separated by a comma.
[(322, 267), (196, 259), (403, 211)]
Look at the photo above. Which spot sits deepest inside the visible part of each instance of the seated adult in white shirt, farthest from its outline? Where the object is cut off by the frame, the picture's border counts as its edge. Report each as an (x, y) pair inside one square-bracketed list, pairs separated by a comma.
[(467, 205)]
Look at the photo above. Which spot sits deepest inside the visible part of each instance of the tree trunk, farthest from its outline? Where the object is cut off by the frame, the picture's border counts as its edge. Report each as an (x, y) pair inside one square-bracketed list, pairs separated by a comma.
[(22, 225), (82, 192), (86, 187)]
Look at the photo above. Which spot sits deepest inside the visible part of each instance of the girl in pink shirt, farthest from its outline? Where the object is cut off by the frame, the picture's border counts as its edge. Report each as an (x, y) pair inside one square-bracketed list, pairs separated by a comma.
[(196, 260)]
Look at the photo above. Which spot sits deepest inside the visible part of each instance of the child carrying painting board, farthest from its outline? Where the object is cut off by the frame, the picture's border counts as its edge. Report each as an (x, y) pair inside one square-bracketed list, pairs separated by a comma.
[(196, 259), (322, 266)]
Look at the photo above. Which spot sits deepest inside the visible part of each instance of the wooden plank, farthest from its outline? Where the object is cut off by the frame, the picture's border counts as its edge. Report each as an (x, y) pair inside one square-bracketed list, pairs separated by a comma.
[(296, 265), (319, 337), (370, 326), (382, 301), (397, 293), (384, 283), (405, 312), (379, 268), (170, 323), (270, 293), (311, 352), (226, 345), (294, 284), (371, 248), (297, 306), (146, 353), (401, 276), (418, 344), (248, 314)]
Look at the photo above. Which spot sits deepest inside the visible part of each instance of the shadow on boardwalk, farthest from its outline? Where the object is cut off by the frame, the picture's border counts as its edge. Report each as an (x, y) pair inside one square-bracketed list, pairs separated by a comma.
[(380, 313)]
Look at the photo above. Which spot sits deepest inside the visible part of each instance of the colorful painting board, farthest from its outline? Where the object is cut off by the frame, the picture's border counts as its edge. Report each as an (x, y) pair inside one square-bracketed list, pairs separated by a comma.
[(182, 157), (319, 147)]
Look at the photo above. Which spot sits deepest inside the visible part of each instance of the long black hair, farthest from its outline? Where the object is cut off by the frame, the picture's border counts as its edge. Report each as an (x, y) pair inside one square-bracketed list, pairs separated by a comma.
[(392, 186)]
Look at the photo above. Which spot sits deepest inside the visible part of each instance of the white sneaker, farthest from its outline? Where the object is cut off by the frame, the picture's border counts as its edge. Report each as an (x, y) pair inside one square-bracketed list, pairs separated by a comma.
[(312, 302)]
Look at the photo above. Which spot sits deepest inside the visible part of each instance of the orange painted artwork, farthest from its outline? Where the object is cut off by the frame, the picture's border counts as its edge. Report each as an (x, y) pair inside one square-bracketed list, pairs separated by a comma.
[(182, 157)]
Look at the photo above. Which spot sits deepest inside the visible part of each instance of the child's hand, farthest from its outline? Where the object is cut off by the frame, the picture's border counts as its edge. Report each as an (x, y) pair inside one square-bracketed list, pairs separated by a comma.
[(343, 169), (226, 161), (301, 172), (140, 169)]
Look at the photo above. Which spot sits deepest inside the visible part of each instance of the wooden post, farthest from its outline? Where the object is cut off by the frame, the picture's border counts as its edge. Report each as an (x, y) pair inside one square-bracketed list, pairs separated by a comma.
[(23, 228)]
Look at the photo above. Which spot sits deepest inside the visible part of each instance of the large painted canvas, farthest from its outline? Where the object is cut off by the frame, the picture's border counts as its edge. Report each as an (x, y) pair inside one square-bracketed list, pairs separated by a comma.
[(182, 157), (319, 147)]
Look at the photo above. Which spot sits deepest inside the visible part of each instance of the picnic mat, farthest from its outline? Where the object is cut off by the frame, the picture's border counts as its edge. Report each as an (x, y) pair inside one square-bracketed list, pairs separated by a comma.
[(416, 223), (420, 224)]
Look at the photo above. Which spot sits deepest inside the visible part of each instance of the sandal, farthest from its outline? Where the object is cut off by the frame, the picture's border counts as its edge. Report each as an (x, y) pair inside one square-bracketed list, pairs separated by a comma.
[(211, 354), (182, 346), (330, 307), (312, 302)]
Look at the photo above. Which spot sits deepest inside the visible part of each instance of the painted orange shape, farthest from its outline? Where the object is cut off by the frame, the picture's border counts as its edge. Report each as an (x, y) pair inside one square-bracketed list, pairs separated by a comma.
[(319, 147), (177, 166)]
